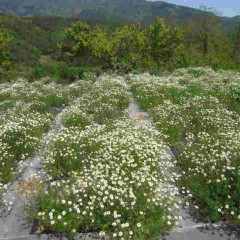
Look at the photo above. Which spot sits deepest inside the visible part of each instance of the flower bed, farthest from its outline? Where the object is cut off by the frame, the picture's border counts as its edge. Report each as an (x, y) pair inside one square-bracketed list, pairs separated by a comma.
[(198, 111), (106, 175), (26, 113), (113, 181)]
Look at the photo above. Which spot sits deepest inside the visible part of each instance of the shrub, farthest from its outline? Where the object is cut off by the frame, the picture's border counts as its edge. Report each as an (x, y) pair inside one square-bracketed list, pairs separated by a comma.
[(39, 71)]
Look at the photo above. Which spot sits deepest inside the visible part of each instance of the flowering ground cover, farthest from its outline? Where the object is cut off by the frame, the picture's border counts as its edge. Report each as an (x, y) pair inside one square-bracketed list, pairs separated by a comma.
[(106, 99), (26, 112), (198, 112), (106, 175)]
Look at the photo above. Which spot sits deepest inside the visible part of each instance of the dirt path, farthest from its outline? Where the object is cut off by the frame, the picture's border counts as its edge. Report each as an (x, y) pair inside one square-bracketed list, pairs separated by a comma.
[(13, 222)]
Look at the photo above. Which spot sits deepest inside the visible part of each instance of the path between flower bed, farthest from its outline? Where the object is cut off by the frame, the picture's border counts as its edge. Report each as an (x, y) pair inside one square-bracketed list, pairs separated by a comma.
[(13, 222)]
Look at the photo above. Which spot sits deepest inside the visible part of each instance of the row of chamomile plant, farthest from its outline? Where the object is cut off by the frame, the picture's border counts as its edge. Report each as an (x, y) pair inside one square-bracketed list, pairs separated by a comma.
[(198, 112), (26, 112), (107, 175)]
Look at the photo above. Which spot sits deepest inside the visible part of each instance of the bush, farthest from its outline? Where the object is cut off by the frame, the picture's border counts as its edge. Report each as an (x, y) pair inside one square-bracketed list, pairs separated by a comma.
[(62, 72), (39, 71)]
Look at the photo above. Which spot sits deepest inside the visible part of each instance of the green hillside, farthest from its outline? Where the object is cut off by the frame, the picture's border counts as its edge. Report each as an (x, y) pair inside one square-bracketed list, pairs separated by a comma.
[(109, 10)]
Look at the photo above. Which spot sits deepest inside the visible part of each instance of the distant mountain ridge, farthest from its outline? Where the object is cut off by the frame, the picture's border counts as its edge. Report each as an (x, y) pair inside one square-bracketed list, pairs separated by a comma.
[(120, 11)]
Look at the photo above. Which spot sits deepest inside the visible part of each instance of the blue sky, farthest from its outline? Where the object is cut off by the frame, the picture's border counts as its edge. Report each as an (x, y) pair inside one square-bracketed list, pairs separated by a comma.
[(228, 8)]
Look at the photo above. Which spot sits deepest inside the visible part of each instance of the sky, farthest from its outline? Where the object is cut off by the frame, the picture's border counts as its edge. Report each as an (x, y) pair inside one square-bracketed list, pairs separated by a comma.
[(228, 8)]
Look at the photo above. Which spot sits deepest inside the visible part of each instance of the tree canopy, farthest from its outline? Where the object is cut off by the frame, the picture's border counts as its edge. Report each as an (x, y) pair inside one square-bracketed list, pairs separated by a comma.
[(123, 48)]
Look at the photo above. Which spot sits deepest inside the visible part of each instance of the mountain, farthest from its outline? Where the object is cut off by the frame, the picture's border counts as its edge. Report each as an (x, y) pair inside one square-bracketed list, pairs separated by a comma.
[(119, 11)]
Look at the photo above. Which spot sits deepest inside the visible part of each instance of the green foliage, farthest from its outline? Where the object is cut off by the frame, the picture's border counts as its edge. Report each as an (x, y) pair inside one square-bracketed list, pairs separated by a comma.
[(120, 49), (206, 44), (80, 33), (102, 46), (5, 41), (62, 71), (58, 34), (155, 49), (164, 42), (39, 71), (236, 47), (129, 46), (211, 197), (196, 72), (26, 36), (58, 71)]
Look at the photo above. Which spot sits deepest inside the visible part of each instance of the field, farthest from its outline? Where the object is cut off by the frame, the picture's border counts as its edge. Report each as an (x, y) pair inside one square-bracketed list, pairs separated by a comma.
[(100, 165)]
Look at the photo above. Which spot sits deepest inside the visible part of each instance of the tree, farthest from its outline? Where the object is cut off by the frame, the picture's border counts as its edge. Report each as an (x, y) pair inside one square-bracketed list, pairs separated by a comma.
[(102, 46), (237, 44), (129, 46), (59, 34), (165, 43), (80, 33), (5, 41), (202, 35), (118, 50), (122, 49)]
